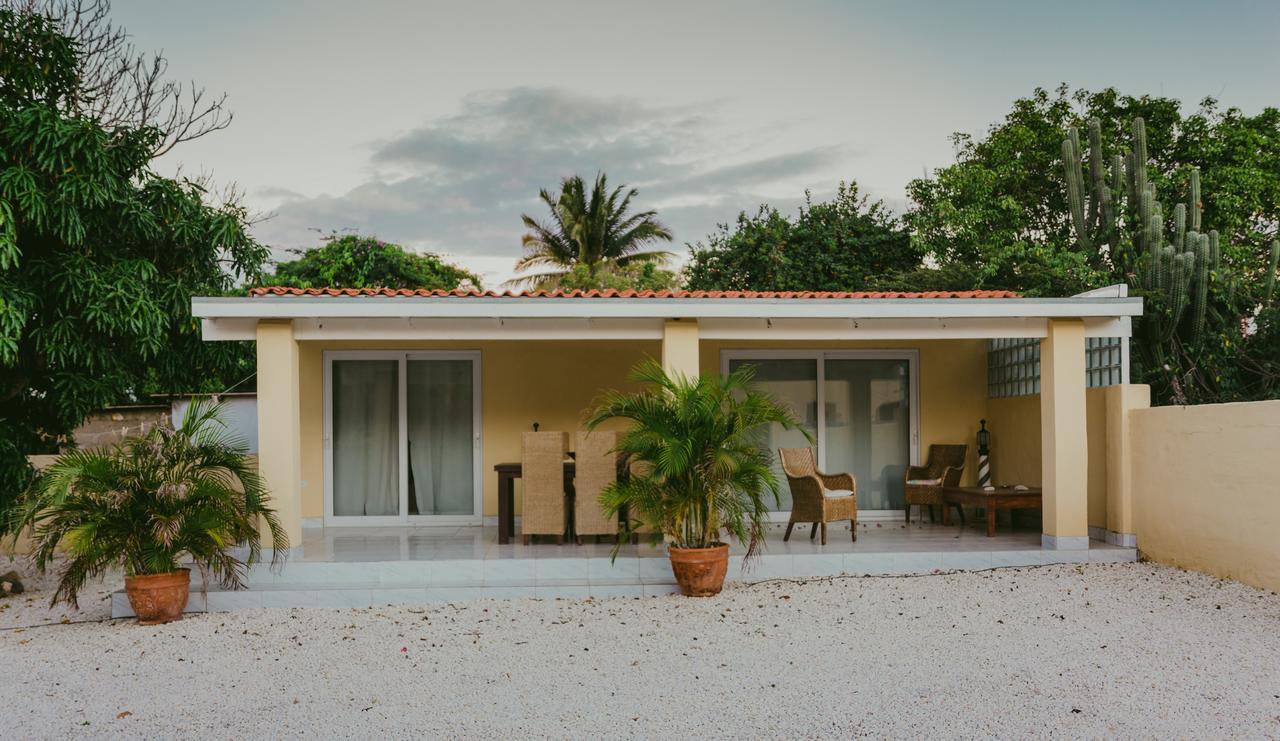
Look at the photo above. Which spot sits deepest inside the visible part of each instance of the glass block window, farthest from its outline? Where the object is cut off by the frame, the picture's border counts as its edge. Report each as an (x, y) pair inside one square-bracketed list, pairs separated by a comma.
[(1104, 361), (1013, 365)]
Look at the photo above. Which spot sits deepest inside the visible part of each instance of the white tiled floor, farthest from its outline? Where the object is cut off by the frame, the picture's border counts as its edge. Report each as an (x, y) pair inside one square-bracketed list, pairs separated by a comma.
[(436, 544), (362, 567)]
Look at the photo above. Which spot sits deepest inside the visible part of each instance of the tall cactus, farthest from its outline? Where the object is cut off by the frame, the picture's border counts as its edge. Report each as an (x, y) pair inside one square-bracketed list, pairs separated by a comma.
[(1179, 272), (1093, 213)]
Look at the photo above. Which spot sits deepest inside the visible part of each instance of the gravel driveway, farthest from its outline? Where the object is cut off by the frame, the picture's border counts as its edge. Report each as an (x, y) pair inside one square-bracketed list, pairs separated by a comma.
[(1130, 650)]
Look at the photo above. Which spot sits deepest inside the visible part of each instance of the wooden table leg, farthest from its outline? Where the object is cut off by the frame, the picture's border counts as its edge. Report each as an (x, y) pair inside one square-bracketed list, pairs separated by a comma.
[(991, 521), (506, 503)]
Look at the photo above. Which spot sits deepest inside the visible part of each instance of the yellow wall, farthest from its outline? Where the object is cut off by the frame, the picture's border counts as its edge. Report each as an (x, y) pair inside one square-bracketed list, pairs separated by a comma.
[(1120, 400), (680, 347), (1206, 496), (553, 383), (1064, 433), (522, 382), (953, 384), (280, 423), (1016, 446)]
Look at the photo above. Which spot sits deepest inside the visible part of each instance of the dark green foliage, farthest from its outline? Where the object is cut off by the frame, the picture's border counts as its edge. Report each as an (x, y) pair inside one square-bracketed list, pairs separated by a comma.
[(700, 468), (1191, 341), (593, 230), (1006, 213), (846, 244), (638, 276), (99, 258), (151, 503), (1002, 210), (353, 261)]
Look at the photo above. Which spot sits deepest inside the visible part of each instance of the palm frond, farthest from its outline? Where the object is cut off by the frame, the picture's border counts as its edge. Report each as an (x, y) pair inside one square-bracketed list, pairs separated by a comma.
[(589, 228), (151, 503), (700, 472)]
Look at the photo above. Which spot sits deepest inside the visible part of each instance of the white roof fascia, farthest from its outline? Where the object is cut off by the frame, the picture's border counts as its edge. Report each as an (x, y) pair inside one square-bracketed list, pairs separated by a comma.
[(357, 307)]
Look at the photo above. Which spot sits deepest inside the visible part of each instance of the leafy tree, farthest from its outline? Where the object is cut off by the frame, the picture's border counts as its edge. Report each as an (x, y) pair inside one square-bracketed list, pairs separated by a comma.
[(846, 244), (642, 276), (353, 261), (118, 85), (1000, 212), (99, 257), (594, 230), (1195, 340)]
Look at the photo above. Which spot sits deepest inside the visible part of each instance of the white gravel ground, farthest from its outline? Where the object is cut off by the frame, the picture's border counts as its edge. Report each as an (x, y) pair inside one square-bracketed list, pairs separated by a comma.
[(1129, 650)]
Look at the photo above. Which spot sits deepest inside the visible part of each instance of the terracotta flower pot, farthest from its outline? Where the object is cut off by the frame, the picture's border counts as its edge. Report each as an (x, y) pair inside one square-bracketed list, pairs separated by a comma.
[(158, 598), (700, 572)]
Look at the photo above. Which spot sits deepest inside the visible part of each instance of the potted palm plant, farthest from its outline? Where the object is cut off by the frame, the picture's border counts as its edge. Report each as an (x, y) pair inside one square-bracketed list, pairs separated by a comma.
[(697, 467), (147, 506)]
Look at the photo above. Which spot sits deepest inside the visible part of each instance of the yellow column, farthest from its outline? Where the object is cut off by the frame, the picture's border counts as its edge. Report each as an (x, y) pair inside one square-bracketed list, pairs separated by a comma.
[(1063, 434), (680, 347), (1121, 399), (279, 432)]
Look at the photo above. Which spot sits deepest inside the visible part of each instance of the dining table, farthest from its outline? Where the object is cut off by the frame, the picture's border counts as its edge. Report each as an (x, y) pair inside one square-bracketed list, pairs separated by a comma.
[(507, 475)]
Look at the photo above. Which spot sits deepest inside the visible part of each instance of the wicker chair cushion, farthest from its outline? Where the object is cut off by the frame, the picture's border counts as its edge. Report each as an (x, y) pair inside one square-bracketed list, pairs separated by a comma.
[(837, 493), (923, 482)]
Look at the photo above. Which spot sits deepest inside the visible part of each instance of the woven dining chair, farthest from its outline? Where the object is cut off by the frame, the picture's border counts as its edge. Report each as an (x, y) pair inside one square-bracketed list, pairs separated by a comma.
[(542, 456), (923, 485), (595, 467), (818, 497)]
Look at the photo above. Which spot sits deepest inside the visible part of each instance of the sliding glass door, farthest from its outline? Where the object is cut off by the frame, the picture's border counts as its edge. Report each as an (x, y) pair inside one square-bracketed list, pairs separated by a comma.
[(860, 406), (794, 381), (402, 437), (441, 430), (867, 430)]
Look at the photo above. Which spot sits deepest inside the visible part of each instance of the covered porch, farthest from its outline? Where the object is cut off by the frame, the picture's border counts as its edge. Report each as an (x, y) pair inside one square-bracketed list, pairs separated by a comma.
[(877, 378), (376, 566)]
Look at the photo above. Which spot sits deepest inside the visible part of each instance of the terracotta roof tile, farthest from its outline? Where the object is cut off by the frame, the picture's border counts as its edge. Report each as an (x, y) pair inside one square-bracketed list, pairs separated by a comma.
[(611, 293)]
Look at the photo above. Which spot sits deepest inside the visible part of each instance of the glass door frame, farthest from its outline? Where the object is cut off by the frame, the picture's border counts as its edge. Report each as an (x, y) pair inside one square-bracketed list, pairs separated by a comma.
[(402, 453), (819, 355)]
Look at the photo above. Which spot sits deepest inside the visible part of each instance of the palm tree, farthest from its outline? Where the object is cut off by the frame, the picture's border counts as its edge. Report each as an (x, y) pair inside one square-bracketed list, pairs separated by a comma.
[(699, 469), (595, 232), (151, 503)]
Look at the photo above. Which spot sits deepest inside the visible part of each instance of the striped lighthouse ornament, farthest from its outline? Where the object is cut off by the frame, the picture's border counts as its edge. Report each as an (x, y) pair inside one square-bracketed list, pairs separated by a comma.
[(984, 455)]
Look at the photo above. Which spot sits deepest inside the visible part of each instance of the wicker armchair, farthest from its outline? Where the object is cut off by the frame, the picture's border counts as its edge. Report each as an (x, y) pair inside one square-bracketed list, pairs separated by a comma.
[(542, 457), (818, 497), (923, 485)]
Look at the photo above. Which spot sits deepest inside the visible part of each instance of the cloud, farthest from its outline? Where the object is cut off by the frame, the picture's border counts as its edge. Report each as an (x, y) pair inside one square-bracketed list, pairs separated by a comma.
[(458, 184)]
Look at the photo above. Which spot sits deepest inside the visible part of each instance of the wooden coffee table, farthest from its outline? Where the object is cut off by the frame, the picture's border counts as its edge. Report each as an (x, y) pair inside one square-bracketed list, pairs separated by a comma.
[(1003, 497)]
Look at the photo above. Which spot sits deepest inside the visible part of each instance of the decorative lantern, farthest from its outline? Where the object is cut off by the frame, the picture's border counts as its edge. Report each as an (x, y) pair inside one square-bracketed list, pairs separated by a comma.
[(984, 453)]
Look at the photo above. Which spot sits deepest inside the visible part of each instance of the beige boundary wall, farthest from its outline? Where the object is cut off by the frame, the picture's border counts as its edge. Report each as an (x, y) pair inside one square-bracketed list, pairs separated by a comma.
[(1193, 484), (1206, 494)]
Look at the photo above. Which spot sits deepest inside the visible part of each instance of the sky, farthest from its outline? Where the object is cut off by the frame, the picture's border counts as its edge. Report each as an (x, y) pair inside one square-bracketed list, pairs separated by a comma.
[(435, 124)]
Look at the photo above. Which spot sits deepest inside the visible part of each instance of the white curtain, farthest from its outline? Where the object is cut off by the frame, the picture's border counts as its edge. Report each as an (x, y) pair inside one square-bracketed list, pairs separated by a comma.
[(441, 427), (365, 437)]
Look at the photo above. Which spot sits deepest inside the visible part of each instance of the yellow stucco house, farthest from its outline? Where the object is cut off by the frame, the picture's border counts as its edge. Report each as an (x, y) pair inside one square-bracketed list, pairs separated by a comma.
[(384, 413)]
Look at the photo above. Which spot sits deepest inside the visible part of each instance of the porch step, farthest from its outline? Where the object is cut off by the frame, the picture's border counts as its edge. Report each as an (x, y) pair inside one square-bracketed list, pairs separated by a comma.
[(376, 584)]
